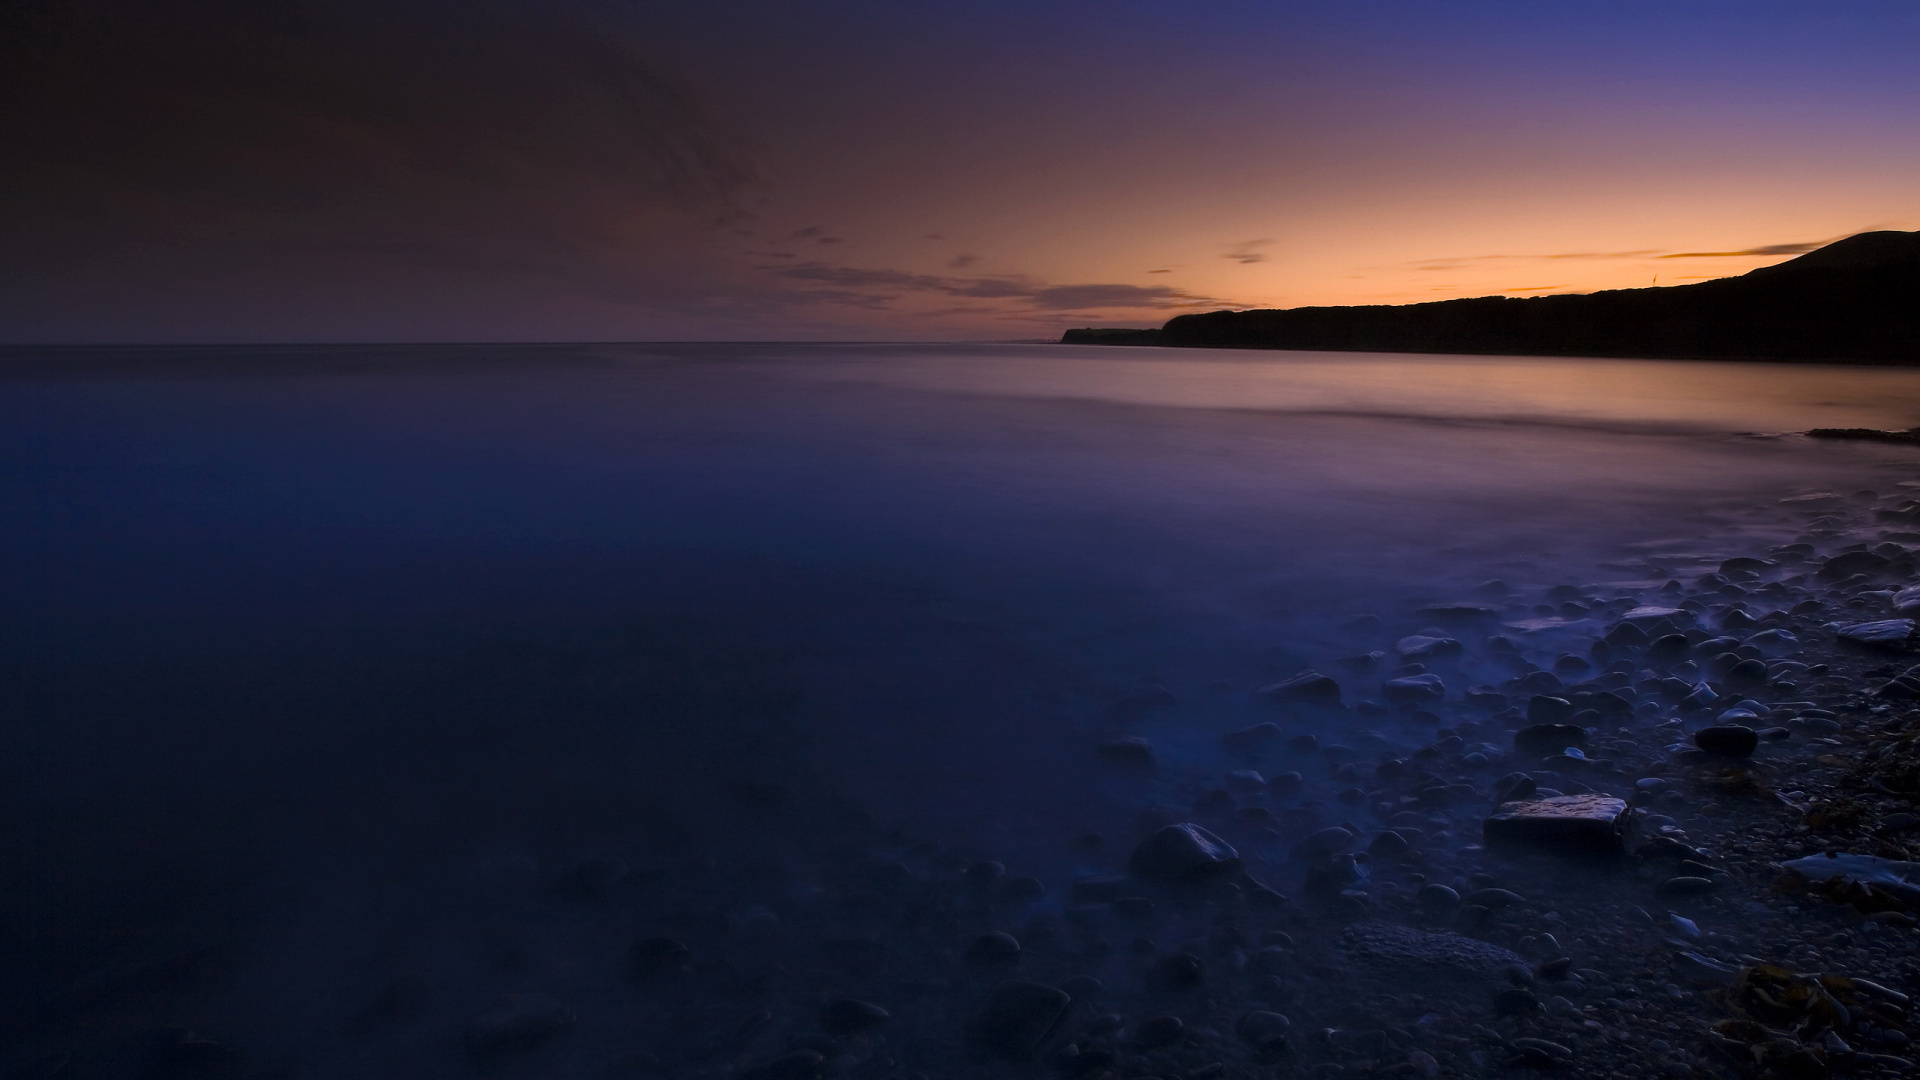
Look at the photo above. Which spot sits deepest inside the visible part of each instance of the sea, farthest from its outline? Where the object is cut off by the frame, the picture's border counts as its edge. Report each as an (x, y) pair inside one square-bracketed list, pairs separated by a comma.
[(326, 669)]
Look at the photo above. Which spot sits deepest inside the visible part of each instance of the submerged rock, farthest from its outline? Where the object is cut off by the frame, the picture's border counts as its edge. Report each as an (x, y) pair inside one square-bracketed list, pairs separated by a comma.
[(1129, 750), (1309, 686), (1414, 689), (1247, 740), (1017, 1018), (1184, 854), (1591, 823)]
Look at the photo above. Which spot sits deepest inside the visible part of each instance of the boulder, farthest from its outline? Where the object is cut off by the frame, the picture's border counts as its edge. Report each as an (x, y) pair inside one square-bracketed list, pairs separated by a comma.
[(1548, 738), (1880, 634), (1184, 854), (1414, 689)]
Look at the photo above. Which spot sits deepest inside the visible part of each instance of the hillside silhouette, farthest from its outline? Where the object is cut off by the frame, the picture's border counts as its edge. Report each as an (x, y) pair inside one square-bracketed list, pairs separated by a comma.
[(1856, 300)]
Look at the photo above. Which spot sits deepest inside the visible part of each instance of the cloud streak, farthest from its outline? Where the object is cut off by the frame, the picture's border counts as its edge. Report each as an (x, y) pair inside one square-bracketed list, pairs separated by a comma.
[(869, 287), (1765, 250)]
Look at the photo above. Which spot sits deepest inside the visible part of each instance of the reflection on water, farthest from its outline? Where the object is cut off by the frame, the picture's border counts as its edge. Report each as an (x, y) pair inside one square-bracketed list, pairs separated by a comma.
[(300, 642)]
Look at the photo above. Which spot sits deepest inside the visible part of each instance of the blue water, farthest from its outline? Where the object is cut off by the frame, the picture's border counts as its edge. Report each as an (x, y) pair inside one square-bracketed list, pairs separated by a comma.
[(306, 647)]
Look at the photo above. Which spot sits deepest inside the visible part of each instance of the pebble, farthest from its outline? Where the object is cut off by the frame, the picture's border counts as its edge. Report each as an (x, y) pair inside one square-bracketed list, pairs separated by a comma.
[(1325, 842), (1126, 750), (1264, 1031), (993, 949), (1414, 689)]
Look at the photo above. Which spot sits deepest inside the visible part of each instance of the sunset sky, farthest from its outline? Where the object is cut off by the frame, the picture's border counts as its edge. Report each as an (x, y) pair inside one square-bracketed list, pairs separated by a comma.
[(350, 170)]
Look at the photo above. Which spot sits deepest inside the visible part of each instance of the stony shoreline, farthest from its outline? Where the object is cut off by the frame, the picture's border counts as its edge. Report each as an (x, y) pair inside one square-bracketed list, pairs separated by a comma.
[(1318, 894)]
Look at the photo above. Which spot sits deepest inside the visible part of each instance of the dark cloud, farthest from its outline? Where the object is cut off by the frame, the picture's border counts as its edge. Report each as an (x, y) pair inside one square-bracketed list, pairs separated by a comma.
[(1767, 249), (891, 284), (222, 140), (962, 262)]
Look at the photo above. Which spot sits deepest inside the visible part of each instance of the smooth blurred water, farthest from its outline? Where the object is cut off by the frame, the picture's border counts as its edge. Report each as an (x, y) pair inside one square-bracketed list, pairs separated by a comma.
[(296, 637)]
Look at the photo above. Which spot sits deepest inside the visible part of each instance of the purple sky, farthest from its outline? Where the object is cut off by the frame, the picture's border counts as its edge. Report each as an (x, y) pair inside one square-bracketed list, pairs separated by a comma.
[(225, 170)]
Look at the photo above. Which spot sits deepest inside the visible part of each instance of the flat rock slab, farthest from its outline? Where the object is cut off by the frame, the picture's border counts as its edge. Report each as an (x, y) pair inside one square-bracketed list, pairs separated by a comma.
[(1396, 951), (1881, 634), (1573, 823)]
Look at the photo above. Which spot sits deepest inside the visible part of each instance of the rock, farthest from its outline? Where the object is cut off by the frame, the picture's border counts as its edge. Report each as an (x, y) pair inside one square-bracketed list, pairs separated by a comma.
[(1701, 970), (1669, 649), (1727, 740), (1902, 687), (1287, 783), (1686, 886), (1677, 616), (1265, 1031), (1127, 750), (1325, 842), (1897, 879), (1178, 971), (1907, 602), (1184, 854), (1245, 782), (1414, 689), (1627, 635), (1548, 738), (1883, 634), (1848, 563), (1493, 899), (1546, 709), (1541, 1054), (517, 1022), (849, 1016), (1083, 987), (1017, 1018), (1438, 897), (1396, 951), (1247, 740), (657, 956), (1572, 823), (1309, 687), (1746, 677), (1421, 646), (1515, 786), (993, 949), (1158, 1031), (1387, 845), (1460, 613)]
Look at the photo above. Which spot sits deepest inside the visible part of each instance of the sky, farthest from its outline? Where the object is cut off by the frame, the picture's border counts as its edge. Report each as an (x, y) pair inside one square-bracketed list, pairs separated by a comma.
[(598, 170)]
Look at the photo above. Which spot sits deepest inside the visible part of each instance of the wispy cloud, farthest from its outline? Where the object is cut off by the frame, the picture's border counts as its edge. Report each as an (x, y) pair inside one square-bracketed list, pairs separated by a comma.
[(1767, 249), (880, 286), (1247, 252)]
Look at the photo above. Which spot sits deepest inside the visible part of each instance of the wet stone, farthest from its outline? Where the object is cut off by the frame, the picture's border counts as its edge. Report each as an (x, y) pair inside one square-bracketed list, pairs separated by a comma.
[(1309, 687), (1391, 950), (1184, 854), (1414, 689), (993, 949), (1247, 740), (1265, 1031), (1127, 750), (1727, 740), (1571, 823), (1017, 1018), (1515, 1001), (1686, 886), (1438, 897), (1325, 842)]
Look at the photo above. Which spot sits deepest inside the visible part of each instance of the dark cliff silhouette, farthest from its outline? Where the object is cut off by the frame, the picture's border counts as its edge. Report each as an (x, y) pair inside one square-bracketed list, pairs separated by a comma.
[(1854, 301)]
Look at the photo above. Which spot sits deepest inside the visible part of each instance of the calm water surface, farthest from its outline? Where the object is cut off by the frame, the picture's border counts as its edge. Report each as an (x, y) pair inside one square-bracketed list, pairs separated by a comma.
[(301, 644)]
